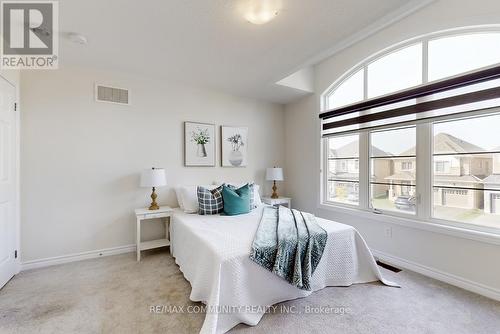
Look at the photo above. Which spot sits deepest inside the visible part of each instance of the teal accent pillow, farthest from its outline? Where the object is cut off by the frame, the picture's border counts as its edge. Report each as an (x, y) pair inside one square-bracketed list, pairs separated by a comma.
[(236, 201)]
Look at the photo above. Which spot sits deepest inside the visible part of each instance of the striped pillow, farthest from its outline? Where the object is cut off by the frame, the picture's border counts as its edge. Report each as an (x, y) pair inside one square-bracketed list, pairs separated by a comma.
[(210, 201)]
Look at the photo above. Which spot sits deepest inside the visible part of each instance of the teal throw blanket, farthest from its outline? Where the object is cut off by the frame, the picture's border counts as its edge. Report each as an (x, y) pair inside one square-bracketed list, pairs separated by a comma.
[(290, 244)]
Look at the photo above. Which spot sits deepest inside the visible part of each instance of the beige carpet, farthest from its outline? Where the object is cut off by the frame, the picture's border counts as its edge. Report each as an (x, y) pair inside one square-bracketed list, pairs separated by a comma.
[(115, 294)]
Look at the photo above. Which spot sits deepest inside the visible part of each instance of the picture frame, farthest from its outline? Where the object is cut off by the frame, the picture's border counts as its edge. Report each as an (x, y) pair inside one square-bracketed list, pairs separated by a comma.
[(234, 146), (199, 144)]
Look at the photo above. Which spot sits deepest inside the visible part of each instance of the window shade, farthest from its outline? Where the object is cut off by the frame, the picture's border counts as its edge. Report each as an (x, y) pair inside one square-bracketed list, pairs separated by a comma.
[(473, 91)]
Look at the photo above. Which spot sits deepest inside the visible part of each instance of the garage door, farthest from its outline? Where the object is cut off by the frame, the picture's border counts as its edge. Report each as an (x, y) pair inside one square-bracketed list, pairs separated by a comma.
[(457, 198), (495, 203)]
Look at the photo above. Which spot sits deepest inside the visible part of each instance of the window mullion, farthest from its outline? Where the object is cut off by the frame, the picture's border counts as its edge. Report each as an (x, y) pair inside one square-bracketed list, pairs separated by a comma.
[(425, 61), (365, 83), (323, 169), (423, 170), (364, 170)]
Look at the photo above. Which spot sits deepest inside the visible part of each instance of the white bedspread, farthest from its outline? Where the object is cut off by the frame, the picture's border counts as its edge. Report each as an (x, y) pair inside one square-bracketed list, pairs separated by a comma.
[(213, 254)]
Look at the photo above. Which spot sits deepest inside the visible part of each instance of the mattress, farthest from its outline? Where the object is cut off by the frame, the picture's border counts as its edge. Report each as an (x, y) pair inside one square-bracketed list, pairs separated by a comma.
[(213, 254)]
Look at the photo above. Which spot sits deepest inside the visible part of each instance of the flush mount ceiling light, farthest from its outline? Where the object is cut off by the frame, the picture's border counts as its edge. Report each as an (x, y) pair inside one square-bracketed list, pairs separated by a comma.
[(77, 38), (260, 11)]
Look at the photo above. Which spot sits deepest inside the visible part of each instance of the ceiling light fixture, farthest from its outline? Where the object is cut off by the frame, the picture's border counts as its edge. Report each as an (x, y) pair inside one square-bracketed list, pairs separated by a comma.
[(260, 11), (77, 38)]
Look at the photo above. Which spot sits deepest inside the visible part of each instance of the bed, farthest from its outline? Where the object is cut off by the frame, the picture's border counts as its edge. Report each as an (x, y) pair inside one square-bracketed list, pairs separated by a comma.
[(213, 254)]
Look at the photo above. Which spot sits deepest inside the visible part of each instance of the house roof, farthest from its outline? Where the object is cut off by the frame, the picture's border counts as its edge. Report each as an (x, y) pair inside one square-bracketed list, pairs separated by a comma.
[(348, 150), (352, 150), (446, 143), (492, 179), (401, 176), (443, 143), (457, 178)]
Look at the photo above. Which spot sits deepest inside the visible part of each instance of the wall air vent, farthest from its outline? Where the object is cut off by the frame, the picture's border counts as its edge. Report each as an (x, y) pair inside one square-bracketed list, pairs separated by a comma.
[(112, 94)]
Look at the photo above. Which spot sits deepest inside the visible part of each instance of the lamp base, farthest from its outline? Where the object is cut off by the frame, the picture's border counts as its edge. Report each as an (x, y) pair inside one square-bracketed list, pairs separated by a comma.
[(275, 193), (154, 205)]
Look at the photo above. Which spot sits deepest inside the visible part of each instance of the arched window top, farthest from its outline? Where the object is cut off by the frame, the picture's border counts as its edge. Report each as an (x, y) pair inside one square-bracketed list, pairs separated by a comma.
[(416, 62)]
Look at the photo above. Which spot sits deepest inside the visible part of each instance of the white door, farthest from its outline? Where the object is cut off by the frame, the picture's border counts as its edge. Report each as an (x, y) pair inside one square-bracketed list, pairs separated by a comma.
[(495, 203), (8, 182)]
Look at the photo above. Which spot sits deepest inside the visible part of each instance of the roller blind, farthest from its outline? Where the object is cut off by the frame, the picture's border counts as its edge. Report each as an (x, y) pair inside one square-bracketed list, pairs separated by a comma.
[(477, 90)]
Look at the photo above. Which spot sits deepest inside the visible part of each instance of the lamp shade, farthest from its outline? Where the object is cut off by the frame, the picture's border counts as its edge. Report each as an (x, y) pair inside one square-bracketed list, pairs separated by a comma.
[(274, 174), (154, 177)]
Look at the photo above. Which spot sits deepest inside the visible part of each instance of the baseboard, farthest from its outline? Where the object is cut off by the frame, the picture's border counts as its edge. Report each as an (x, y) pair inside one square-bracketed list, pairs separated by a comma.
[(439, 275), (76, 257), (394, 260)]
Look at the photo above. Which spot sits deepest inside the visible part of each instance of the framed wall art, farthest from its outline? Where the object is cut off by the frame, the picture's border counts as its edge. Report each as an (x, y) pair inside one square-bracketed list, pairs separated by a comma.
[(234, 146), (199, 144)]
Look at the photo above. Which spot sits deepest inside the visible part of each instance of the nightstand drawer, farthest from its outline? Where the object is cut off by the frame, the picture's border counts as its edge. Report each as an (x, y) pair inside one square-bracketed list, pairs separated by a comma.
[(156, 215)]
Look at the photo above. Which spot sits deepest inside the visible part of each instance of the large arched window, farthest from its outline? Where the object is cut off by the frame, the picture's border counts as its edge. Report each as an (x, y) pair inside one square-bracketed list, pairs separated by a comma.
[(415, 62), (444, 169)]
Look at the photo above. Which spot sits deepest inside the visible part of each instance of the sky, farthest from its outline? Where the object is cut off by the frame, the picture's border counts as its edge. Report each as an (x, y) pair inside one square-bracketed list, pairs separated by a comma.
[(481, 131)]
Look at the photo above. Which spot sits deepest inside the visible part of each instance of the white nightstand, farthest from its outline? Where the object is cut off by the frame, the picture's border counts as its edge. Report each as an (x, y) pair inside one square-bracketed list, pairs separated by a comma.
[(143, 214), (285, 201)]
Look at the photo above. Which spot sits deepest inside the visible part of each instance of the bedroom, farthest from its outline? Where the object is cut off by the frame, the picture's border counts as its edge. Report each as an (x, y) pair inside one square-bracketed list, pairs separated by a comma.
[(235, 97)]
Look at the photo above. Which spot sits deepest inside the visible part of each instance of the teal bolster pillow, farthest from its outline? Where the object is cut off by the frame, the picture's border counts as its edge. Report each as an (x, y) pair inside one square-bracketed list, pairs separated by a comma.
[(236, 201)]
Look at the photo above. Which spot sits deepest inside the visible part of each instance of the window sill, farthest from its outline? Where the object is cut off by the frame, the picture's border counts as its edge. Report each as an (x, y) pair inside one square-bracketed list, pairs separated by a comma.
[(476, 235)]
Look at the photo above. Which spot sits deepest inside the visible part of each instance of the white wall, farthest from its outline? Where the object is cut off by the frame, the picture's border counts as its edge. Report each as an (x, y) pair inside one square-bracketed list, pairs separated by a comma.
[(80, 160), (461, 259)]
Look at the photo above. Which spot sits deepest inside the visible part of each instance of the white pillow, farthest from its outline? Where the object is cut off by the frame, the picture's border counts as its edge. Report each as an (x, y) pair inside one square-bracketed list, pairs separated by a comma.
[(189, 199), (256, 196), (179, 197)]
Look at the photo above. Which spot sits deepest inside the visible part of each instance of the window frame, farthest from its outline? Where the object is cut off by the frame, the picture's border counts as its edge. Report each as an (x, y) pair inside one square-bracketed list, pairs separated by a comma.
[(425, 39), (451, 118), (369, 184), (424, 164), (324, 177), (424, 183)]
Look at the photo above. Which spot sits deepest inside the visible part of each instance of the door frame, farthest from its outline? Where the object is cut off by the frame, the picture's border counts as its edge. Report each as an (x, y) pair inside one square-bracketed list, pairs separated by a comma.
[(14, 79)]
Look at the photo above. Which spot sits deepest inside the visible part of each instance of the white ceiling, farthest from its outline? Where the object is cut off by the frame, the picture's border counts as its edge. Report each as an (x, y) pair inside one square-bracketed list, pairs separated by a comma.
[(208, 43)]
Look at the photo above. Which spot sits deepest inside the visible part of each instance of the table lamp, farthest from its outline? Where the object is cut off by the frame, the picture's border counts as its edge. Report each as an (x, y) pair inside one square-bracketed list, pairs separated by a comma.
[(154, 177), (274, 174)]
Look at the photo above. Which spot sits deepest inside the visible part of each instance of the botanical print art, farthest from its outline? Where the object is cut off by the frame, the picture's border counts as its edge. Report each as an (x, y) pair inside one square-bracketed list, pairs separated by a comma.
[(199, 144), (234, 146)]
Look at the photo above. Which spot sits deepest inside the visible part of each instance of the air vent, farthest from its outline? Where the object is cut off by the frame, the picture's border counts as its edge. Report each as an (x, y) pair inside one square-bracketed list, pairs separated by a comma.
[(112, 95)]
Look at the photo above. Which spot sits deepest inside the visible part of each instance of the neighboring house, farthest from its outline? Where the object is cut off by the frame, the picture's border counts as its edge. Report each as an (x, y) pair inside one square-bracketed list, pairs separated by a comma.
[(459, 170), (453, 166), (402, 178), (344, 168), (492, 198)]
